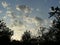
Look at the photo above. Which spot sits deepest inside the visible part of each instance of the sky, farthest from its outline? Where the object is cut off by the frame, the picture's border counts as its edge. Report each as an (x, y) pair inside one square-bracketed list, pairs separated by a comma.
[(22, 15)]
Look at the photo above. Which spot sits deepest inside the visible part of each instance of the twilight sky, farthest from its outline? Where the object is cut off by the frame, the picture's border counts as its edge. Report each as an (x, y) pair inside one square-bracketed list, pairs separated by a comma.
[(22, 15)]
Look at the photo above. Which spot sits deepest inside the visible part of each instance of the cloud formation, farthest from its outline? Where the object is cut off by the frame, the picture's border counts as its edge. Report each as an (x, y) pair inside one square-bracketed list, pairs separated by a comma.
[(19, 24), (0, 11), (33, 20), (22, 23), (10, 14), (37, 9), (24, 8), (5, 4)]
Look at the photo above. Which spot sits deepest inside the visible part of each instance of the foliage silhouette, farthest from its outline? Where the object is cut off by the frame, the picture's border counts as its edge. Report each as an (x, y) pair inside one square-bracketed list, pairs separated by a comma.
[(54, 31), (5, 33), (56, 22), (26, 36)]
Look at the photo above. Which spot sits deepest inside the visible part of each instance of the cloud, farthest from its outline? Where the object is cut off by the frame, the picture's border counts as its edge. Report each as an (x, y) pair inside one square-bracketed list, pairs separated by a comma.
[(37, 9), (23, 8), (19, 24), (46, 23), (33, 20), (0, 11), (10, 14), (27, 23), (16, 23), (18, 32), (17, 8), (38, 19), (4, 4), (23, 23)]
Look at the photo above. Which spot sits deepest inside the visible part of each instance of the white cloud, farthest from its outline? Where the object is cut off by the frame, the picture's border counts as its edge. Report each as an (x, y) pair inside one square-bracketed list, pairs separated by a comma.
[(46, 23), (37, 9), (23, 8), (4, 17), (10, 14), (35, 20), (0, 11), (4, 4), (17, 8), (18, 32)]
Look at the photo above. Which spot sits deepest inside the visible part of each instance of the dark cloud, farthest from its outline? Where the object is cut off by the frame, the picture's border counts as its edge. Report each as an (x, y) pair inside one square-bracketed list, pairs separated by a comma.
[(39, 19)]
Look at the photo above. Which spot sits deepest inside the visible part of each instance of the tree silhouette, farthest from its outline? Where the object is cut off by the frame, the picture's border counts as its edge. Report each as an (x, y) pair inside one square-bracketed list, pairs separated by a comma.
[(5, 33), (55, 29), (41, 33), (26, 36)]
